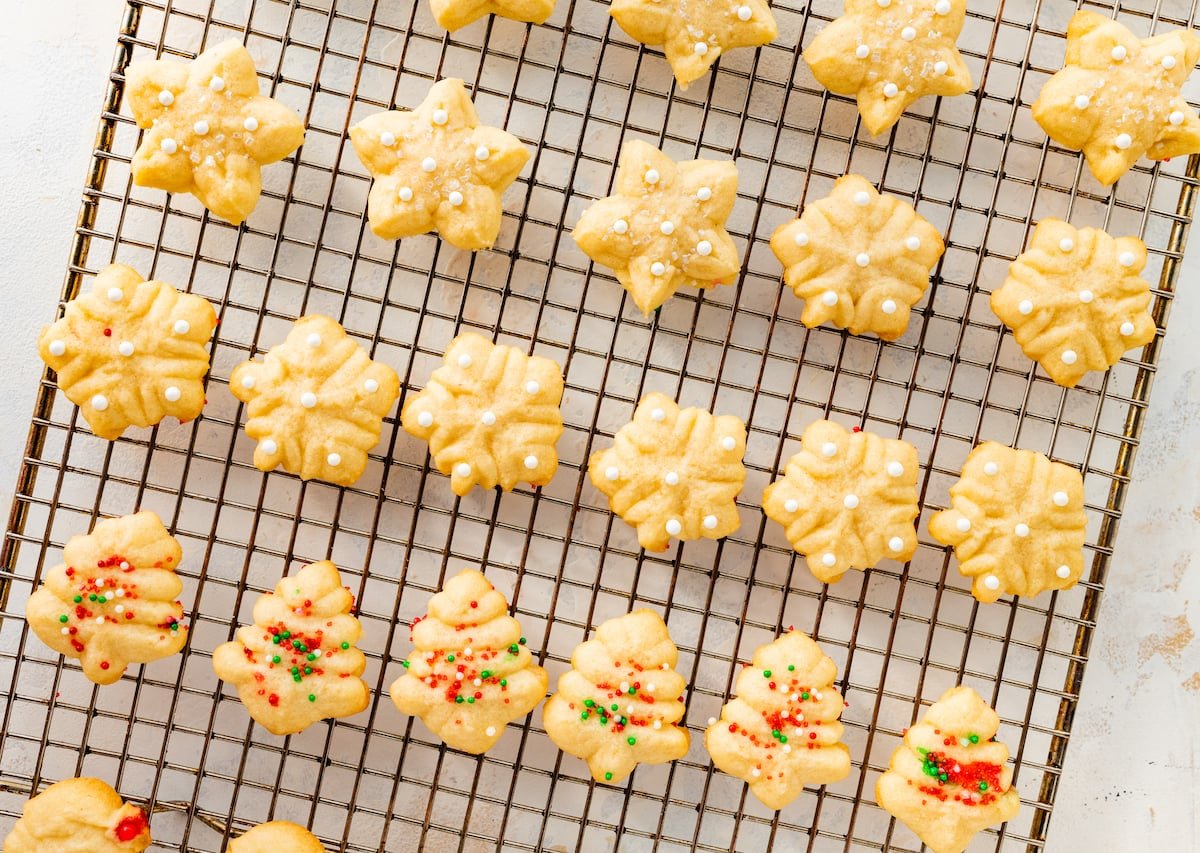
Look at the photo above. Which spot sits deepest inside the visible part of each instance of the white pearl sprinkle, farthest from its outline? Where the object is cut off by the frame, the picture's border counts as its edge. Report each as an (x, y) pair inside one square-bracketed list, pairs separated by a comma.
[(99, 620), (888, 306), (728, 442), (1066, 244), (801, 239), (371, 386), (612, 472), (57, 348), (406, 193), (482, 152), (1069, 356), (658, 724), (440, 117), (1119, 53), (829, 449), (668, 227), (1127, 329), (531, 462), (115, 294), (1061, 498), (704, 248), (791, 505), (704, 193), (1022, 530), (862, 51), (125, 348), (166, 98), (66, 631), (1086, 296), (532, 387), (700, 48), (940, 67), (172, 394), (462, 469), (862, 259), (991, 469), (1124, 141), (912, 243), (891, 90), (247, 382), (829, 298), (896, 543), (1082, 102), (1176, 118), (895, 469), (455, 198), (829, 560), (991, 582), (862, 198), (883, 4), (1127, 259), (620, 226), (651, 176), (313, 340), (657, 268), (710, 522), (425, 419), (387, 139), (942, 7), (850, 502), (464, 360), (308, 399), (488, 418), (672, 479), (1169, 62), (674, 528), (908, 33), (963, 524), (200, 127), (658, 415), (1063, 572), (100, 403), (712, 721), (250, 124), (168, 146), (334, 459), (428, 164), (1026, 307), (217, 83), (744, 13), (490, 731)]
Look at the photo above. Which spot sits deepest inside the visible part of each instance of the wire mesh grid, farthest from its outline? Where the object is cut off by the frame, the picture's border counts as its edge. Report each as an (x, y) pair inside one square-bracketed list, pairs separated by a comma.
[(977, 166)]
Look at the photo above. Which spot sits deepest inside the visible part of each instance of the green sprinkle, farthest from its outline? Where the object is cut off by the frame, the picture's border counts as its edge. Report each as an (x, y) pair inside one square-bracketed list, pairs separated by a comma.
[(607, 777), (584, 715), (922, 750), (983, 786), (78, 599), (312, 697), (174, 626), (791, 667), (345, 645), (449, 658), (287, 635), (64, 618), (631, 740), (101, 599), (616, 707), (766, 673), (804, 696), (521, 641), (590, 703), (783, 738), (487, 673), (308, 670), (973, 738), (296, 679), (470, 700), (295, 670), (311, 656), (504, 682), (458, 699), (632, 691), (92, 597), (275, 659), (622, 720), (945, 777), (275, 639), (775, 733)]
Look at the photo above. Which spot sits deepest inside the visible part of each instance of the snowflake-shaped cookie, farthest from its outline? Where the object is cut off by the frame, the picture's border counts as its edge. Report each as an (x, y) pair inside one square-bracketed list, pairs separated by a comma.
[(315, 402), (1118, 97), (130, 352), (1016, 522), (80, 815), (664, 227), (208, 131), (694, 35), (490, 414), (1075, 300), (847, 500), (452, 14), (891, 53), (858, 259), (673, 473), (437, 168)]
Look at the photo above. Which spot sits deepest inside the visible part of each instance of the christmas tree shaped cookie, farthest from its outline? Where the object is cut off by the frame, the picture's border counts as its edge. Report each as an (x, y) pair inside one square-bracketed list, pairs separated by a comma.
[(620, 702), (297, 663), (79, 816), (949, 779), (112, 601), (781, 732), (470, 674)]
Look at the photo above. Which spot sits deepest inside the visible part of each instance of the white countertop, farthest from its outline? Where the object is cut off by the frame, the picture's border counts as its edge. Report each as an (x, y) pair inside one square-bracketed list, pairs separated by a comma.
[(1131, 779)]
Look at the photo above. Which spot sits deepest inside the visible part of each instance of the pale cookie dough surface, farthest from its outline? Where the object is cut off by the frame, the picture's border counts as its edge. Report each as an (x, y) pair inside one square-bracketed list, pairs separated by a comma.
[(620, 702), (673, 473), (316, 402), (1016, 521), (112, 601), (452, 14), (208, 131), (663, 227), (858, 259), (1075, 300), (79, 816), (298, 662), (278, 836), (130, 352), (950, 779), (1118, 98), (470, 673), (891, 53), (782, 730), (490, 414), (847, 500), (694, 34), (437, 168)]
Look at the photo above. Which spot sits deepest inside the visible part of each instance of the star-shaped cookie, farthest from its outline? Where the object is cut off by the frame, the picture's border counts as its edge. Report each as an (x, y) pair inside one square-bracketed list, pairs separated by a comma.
[(858, 259), (694, 35), (209, 132), (452, 14), (316, 402), (1075, 300), (437, 168), (891, 53), (664, 227), (1118, 97), (847, 500), (130, 352), (1016, 522), (673, 473)]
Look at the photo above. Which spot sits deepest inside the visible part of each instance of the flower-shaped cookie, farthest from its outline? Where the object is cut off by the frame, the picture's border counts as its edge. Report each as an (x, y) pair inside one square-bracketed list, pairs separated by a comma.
[(209, 132), (1075, 300), (131, 352), (298, 663), (694, 35), (673, 473), (1016, 522), (847, 500), (470, 674), (315, 402), (1118, 97), (437, 168), (113, 600), (81, 815), (950, 778), (891, 53), (490, 414), (782, 731), (278, 836), (858, 259), (665, 226), (452, 14)]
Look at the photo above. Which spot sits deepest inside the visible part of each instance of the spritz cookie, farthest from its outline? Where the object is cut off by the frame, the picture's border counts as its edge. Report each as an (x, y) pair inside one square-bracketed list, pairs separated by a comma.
[(673, 473), (859, 260), (113, 599), (847, 500), (278, 836), (1016, 521), (298, 662), (490, 414), (437, 168), (782, 731), (694, 35), (470, 673), (891, 53), (208, 131), (621, 701), (950, 778), (452, 14), (1118, 98), (79, 815), (1075, 300), (131, 352), (663, 227), (316, 402)]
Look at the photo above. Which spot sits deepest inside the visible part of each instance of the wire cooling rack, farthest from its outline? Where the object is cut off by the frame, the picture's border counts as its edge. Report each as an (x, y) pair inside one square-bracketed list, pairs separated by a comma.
[(977, 166)]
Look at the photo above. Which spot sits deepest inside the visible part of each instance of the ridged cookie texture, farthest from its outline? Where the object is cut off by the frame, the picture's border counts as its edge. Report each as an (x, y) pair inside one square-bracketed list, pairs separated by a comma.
[(79, 815), (453, 14), (278, 836)]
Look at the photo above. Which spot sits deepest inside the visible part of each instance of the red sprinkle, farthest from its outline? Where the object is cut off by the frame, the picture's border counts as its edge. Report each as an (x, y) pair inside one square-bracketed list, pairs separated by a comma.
[(104, 664), (131, 827), (274, 700), (108, 333)]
